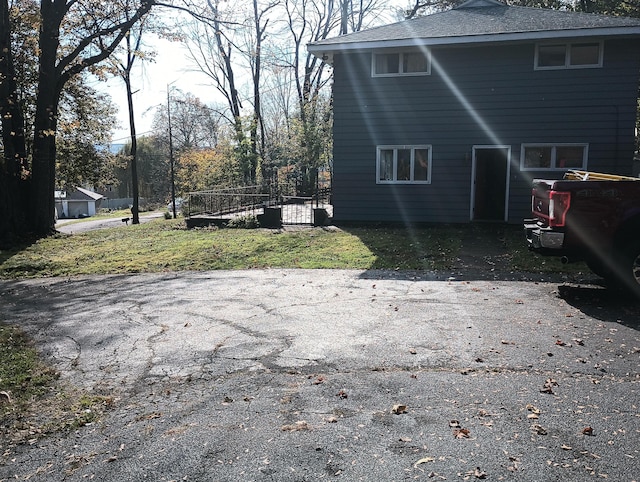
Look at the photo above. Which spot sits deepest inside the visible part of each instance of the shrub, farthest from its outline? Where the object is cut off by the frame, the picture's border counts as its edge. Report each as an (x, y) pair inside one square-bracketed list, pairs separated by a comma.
[(244, 222)]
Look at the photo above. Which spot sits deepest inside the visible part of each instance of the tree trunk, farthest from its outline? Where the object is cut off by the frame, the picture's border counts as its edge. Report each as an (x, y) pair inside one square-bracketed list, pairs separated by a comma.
[(13, 165), (43, 166), (135, 210)]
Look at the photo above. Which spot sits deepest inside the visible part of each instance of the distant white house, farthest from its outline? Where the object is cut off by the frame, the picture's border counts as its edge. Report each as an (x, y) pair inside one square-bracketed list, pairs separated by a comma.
[(77, 204)]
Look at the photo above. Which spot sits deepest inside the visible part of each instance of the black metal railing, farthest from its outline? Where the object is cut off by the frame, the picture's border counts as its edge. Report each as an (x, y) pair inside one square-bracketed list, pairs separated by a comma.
[(220, 202), (249, 201)]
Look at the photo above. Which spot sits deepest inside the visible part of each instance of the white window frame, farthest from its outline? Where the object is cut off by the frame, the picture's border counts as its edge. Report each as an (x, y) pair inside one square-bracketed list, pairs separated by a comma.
[(567, 56), (401, 54), (554, 159), (395, 149)]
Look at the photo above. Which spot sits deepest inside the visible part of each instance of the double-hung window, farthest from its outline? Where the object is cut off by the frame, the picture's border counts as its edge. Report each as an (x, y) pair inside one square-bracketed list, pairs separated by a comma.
[(568, 55), (403, 164), (554, 156), (400, 63)]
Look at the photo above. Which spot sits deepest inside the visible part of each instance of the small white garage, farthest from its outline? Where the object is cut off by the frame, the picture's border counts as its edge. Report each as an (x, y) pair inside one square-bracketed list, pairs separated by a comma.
[(77, 204)]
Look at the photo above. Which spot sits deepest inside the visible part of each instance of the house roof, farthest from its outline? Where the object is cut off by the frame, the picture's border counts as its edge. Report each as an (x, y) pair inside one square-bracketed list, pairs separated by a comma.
[(80, 194), (481, 21)]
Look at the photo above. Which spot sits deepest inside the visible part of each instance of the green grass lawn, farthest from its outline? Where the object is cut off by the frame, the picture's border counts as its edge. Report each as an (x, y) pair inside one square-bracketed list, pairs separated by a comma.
[(166, 245)]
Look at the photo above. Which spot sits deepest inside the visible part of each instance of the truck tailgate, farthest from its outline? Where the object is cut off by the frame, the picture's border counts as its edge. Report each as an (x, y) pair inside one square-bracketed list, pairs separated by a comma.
[(540, 199)]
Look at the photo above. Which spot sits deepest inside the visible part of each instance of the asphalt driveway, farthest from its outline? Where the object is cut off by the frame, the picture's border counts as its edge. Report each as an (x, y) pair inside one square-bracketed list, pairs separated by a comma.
[(296, 375), (76, 226)]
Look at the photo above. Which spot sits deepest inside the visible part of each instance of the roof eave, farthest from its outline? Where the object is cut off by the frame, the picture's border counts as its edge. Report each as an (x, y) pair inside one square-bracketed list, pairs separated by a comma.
[(324, 50)]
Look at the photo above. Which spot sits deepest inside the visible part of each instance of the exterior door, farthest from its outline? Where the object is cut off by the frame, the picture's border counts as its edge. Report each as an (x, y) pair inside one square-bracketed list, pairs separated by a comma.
[(490, 183)]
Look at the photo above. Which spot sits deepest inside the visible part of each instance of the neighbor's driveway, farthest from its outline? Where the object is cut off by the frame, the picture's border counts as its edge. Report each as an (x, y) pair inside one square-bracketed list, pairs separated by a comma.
[(75, 226), (292, 375)]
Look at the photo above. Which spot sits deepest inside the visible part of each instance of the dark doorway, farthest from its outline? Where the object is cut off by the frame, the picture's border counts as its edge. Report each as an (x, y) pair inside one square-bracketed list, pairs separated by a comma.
[(491, 168)]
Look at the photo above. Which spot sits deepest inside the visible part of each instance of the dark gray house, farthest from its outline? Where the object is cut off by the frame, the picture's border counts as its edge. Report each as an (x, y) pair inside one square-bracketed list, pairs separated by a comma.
[(448, 117)]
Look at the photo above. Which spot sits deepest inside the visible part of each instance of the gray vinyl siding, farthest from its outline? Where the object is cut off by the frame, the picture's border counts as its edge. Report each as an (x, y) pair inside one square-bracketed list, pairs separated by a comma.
[(493, 96)]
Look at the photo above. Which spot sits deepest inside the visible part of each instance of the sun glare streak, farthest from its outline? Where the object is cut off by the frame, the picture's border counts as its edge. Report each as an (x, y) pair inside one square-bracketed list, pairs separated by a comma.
[(471, 110), (383, 127)]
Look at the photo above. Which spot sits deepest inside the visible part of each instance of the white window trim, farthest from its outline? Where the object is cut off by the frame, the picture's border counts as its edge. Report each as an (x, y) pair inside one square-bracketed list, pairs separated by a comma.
[(553, 146), (567, 56), (426, 53), (395, 163)]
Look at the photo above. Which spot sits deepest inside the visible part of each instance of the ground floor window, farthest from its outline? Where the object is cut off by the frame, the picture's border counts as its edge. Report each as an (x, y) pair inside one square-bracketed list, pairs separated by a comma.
[(554, 156), (403, 164)]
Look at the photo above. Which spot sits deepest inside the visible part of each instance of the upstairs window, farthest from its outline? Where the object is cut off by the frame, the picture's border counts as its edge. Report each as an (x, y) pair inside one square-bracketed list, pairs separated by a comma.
[(568, 56), (403, 164), (554, 156), (400, 63)]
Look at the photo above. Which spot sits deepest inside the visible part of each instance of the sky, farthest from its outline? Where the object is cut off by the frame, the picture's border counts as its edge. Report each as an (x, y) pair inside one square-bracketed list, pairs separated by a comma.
[(171, 67)]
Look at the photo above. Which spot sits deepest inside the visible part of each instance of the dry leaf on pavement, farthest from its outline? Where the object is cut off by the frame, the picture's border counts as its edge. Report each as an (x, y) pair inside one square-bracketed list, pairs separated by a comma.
[(539, 429), (300, 425), (461, 433), (398, 409), (424, 460)]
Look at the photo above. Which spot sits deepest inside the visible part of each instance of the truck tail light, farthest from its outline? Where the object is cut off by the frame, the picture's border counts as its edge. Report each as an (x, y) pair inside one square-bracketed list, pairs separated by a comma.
[(559, 203)]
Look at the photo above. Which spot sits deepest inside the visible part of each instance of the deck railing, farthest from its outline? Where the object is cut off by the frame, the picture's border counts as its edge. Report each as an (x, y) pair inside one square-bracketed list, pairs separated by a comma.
[(220, 202)]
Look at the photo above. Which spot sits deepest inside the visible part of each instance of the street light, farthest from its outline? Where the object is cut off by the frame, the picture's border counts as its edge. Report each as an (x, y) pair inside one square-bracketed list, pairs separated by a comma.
[(171, 160)]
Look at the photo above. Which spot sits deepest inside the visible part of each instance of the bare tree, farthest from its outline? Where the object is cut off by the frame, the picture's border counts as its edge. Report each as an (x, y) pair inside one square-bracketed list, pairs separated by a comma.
[(310, 21), (424, 7), (124, 67), (194, 125), (260, 22)]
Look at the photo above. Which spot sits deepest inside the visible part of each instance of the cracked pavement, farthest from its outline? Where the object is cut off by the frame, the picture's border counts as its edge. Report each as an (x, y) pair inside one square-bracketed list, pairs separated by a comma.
[(293, 375)]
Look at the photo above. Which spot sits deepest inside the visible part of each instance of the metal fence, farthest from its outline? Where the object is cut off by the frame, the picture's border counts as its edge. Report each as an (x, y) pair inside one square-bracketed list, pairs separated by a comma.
[(223, 204)]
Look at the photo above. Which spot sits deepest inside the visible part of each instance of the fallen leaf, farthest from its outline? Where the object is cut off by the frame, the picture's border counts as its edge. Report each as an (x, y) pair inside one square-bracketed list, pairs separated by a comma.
[(424, 460), (479, 474), (539, 429), (300, 425), (461, 433), (548, 386), (587, 431), (533, 409), (398, 409), (148, 416), (318, 380)]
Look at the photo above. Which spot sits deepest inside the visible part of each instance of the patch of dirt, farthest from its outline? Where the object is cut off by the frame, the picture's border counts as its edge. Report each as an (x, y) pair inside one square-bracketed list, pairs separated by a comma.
[(484, 247)]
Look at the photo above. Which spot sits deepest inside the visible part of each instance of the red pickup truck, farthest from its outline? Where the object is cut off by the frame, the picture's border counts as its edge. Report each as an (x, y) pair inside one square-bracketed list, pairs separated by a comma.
[(591, 217)]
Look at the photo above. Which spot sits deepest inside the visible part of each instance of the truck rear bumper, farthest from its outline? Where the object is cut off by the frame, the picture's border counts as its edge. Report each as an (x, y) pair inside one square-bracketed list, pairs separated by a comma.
[(542, 239)]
